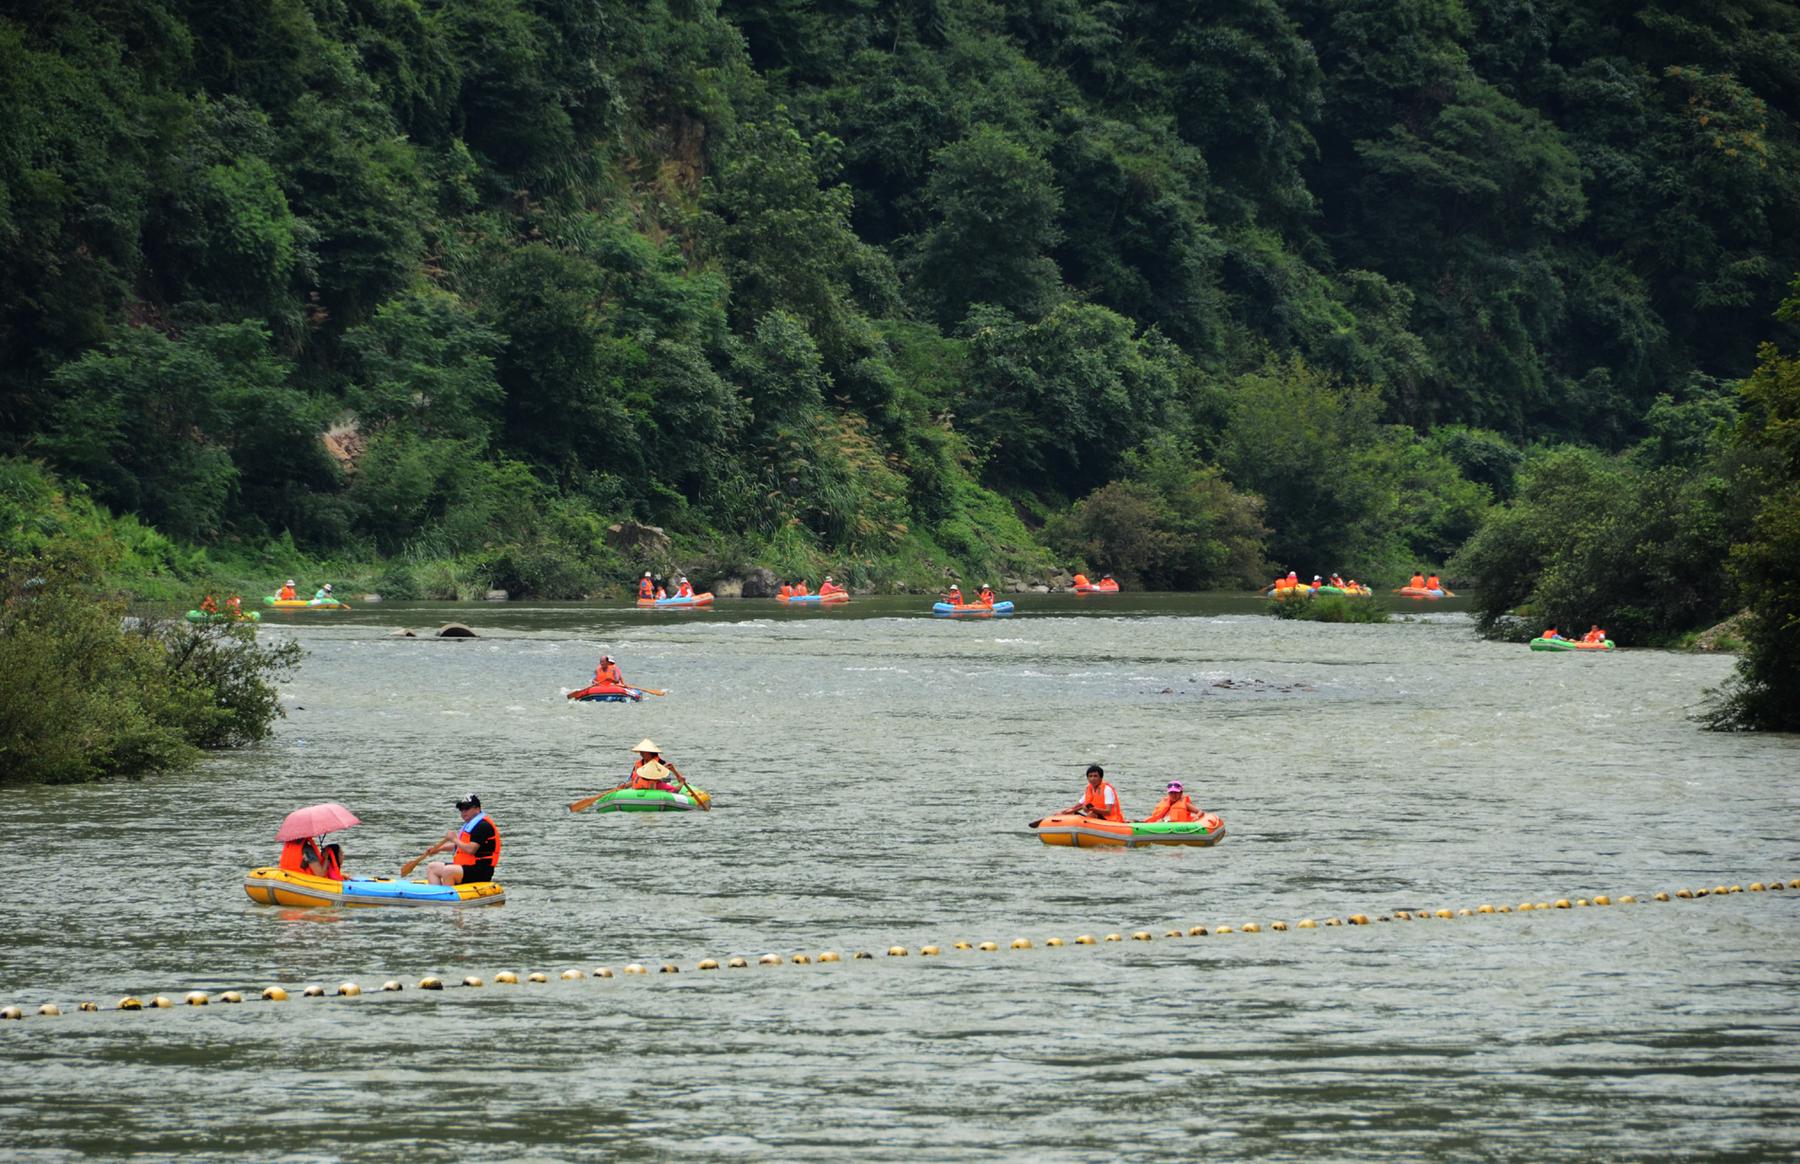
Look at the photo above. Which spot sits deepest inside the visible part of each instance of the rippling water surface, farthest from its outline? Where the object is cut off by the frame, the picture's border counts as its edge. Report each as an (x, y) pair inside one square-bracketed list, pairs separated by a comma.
[(873, 770)]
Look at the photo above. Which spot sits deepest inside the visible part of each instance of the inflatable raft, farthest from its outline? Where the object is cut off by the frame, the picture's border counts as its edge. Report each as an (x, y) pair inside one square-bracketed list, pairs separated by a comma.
[(1096, 588), (697, 600), (607, 693), (274, 603), (645, 800), (203, 616), (1569, 645), (972, 608), (1085, 832), (1420, 592), (272, 886), (814, 599)]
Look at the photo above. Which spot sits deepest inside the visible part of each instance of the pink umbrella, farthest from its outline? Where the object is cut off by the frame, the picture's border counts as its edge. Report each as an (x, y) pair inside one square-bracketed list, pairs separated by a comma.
[(315, 820)]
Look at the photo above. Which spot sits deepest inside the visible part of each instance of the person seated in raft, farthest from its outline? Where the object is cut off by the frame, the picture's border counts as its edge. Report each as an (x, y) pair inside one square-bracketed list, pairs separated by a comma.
[(1316, 582), (1291, 582), (954, 598), (682, 589), (1594, 634), (303, 856), (608, 672), (830, 587), (661, 593), (334, 860), (985, 596), (474, 846), (209, 604), (1337, 581), (287, 593), (1109, 582), (646, 587), (1174, 807), (800, 588), (1550, 634), (1417, 581), (1432, 583), (1098, 799), (323, 594), (786, 591), (649, 756), (1080, 580), (234, 606)]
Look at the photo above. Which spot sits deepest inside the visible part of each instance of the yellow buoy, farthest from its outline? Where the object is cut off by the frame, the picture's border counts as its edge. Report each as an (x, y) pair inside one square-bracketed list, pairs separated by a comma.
[(89, 1006), (1721, 890), (896, 951), (1445, 913), (860, 955), (1628, 899), (1735, 889), (638, 967), (1278, 925), (1687, 894), (1140, 935), (49, 1010), (1114, 938), (313, 991), (12, 1012), (129, 1003), (196, 998), (1085, 940), (431, 984), (1663, 896), (1053, 941), (231, 996), (669, 968), (1402, 915), (161, 1003), (987, 947), (1021, 943), (1359, 919), (1484, 908), (1526, 907), (1250, 928), (769, 960), (737, 963), (830, 956), (506, 978), (1794, 884), (1602, 899), (1756, 887), (1307, 923), (1221, 929), (274, 994), (473, 980), (392, 985), (1701, 892), (1196, 931), (1332, 921), (1543, 905), (1465, 911), (929, 951), (707, 964), (537, 976), (349, 990), (1562, 903), (801, 959), (1503, 909), (1580, 901), (1776, 884)]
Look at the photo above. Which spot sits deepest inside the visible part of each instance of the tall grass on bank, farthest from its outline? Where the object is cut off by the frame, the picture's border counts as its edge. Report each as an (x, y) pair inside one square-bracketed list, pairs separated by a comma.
[(1330, 608)]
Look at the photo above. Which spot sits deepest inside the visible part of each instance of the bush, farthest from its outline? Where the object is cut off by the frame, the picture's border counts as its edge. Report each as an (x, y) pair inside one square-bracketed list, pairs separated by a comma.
[(1329, 608)]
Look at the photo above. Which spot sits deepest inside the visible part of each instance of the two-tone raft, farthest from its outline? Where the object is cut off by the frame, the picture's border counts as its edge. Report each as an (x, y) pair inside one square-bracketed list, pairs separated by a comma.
[(272, 886), (1088, 832)]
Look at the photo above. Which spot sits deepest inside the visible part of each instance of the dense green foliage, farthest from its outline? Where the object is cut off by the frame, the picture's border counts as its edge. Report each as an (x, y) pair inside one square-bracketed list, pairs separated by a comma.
[(1330, 608), (1178, 291), (86, 696)]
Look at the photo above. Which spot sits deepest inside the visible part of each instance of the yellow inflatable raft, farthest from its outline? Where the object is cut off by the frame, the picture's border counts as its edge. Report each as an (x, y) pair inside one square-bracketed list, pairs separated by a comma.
[(272, 886)]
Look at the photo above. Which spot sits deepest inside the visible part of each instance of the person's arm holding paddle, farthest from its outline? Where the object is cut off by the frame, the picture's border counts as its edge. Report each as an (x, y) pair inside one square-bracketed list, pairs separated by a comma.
[(694, 794)]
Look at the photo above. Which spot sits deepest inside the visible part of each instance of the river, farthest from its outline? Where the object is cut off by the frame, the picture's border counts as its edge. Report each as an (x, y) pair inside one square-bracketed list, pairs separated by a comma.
[(872, 771)]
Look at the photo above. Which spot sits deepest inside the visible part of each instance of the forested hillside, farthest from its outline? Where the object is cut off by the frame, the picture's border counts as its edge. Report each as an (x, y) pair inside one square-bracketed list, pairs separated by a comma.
[(1182, 291)]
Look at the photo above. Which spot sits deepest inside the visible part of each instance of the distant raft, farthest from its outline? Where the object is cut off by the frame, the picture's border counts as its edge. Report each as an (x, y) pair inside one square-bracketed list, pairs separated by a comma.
[(646, 800), (695, 600), (272, 886), (814, 599), (1421, 592), (210, 616), (1569, 645), (972, 608), (607, 693), (274, 603), (1087, 832), (1101, 587)]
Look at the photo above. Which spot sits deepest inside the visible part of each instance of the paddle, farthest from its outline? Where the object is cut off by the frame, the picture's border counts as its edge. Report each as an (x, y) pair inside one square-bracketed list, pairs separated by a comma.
[(651, 690), (406, 869), (588, 802), (700, 798)]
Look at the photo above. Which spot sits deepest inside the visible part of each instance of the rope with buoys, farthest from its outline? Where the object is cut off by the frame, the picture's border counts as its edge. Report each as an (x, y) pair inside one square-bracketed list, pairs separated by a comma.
[(194, 998)]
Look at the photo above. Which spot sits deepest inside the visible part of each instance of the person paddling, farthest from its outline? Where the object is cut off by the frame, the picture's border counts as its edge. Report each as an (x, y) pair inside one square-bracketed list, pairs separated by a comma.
[(985, 596), (954, 598), (646, 586), (1174, 807), (287, 593), (607, 672), (474, 846), (647, 773), (830, 587), (1099, 799)]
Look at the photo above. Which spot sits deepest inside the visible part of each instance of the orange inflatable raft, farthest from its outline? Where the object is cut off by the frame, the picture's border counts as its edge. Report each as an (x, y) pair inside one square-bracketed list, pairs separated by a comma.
[(1087, 832)]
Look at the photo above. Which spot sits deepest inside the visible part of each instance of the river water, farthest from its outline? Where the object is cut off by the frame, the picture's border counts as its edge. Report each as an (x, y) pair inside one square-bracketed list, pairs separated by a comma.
[(872, 770)]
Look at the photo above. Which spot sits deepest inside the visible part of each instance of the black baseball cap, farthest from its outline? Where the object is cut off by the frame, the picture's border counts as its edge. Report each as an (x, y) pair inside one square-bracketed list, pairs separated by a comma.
[(469, 801)]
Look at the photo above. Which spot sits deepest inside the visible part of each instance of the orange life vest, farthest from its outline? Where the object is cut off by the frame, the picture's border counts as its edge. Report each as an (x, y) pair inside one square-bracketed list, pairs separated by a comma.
[(297, 855), (1175, 810), (641, 782), (476, 858), (1432, 583), (1096, 798), (646, 588), (786, 590), (609, 673), (285, 594), (987, 596), (1417, 582), (954, 598), (1081, 580), (209, 604), (800, 590), (684, 591)]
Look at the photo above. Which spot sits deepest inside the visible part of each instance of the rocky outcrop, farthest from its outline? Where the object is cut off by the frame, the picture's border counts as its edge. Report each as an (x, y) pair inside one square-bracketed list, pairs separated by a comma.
[(647, 542), (758, 583), (455, 630), (495, 596), (727, 588)]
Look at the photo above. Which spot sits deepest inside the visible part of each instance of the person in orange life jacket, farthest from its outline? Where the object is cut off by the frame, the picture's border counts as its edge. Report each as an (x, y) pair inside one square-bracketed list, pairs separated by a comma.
[(1432, 583), (287, 593), (1550, 634), (647, 754), (474, 848), (954, 598), (985, 595), (209, 604), (646, 587), (1337, 581), (303, 856), (1109, 580), (682, 589), (1291, 582), (800, 590), (661, 594), (1099, 799), (234, 606), (786, 591), (830, 587), (608, 672), (1594, 634), (1174, 807), (1079, 580), (1417, 581), (1317, 582)]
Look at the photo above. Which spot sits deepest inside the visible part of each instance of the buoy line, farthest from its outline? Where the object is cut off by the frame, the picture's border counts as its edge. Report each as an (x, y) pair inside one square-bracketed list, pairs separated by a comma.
[(741, 962)]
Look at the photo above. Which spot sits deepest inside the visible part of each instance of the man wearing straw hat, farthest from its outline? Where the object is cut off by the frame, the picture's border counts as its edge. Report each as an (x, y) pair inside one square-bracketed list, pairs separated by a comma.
[(652, 771)]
